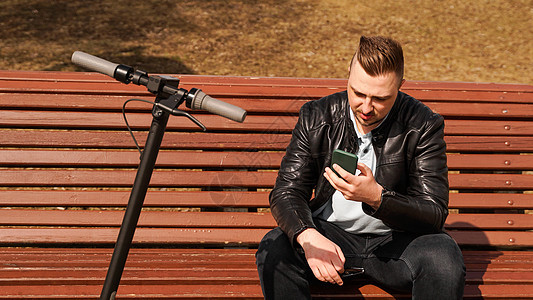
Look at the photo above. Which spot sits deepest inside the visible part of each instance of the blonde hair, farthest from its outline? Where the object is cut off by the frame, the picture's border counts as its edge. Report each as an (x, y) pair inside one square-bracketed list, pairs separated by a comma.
[(378, 55)]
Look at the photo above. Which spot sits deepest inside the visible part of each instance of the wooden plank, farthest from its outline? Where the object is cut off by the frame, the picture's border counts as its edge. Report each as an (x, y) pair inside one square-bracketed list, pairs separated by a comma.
[(173, 219), (194, 275), (182, 276), (490, 201), (214, 140), (468, 86), (125, 178), (113, 198), (285, 123), (157, 258), (115, 158), (481, 110), (148, 291), (143, 236), (489, 162), (461, 97), (240, 291), (122, 139), (246, 80), (191, 159), (220, 236), (227, 179), (493, 238), (168, 219), (491, 181), (105, 120), (280, 105), (490, 221), (110, 198), (117, 88)]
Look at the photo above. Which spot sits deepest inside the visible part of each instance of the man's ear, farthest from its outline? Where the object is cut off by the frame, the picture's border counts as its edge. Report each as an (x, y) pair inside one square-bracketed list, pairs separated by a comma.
[(401, 83)]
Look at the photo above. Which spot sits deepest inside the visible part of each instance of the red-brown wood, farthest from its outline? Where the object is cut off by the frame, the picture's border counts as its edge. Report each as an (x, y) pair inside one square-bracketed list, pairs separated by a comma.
[(284, 105), (68, 164), (283, 123), (122, 139), (190, 159), (111, 198), (214, 140), (227, 179)]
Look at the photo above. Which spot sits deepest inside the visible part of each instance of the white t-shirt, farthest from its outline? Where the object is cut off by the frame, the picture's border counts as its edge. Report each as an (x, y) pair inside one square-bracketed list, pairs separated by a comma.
[(348, 214)]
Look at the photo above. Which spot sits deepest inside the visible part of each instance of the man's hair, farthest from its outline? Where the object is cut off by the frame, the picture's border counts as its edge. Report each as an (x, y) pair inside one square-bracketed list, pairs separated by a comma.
[(379, 55)]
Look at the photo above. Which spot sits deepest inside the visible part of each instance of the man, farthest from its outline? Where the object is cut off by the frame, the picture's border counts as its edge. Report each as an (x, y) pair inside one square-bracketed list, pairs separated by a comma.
[(388, 218)]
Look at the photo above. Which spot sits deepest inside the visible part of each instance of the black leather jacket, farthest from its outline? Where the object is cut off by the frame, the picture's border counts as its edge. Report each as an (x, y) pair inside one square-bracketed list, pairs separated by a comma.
[(411, 165)]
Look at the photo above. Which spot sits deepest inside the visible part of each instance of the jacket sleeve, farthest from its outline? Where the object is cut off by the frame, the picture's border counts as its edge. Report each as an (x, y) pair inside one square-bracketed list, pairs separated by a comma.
[(424, 206), (289, 200)]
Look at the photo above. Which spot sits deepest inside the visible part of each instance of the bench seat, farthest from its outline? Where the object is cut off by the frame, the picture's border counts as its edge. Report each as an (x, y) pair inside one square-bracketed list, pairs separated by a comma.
[(67, 163)]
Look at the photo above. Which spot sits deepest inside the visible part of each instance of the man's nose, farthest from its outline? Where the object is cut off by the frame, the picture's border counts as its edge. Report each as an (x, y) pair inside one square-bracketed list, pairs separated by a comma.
[(367, 106)]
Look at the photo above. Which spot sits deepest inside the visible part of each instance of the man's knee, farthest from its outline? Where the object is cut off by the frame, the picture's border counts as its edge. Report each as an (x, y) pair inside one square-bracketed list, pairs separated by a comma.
[(438, 255)]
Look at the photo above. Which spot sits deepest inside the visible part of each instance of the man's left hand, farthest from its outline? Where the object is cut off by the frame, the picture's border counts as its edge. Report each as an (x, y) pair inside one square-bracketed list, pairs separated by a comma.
[(362, 188)]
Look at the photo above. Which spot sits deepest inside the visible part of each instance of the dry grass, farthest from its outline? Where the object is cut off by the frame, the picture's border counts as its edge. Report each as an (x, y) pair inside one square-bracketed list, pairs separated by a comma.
[(480, 41)]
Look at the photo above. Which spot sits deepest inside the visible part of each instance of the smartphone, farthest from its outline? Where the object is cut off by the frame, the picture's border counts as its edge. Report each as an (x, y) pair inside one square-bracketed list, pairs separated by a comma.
[(346, 160), (352, 271)]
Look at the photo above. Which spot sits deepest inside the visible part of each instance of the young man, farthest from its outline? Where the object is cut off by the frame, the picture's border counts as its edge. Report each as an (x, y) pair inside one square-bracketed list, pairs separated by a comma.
[(388, 218)]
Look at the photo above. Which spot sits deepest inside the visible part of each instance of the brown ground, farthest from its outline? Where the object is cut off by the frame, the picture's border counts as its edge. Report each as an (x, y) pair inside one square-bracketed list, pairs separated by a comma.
[(479, 40)]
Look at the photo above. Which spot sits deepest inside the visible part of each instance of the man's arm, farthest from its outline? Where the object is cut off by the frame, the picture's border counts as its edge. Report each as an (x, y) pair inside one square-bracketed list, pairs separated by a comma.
[(289, 203), (297, 176), (424, 206)]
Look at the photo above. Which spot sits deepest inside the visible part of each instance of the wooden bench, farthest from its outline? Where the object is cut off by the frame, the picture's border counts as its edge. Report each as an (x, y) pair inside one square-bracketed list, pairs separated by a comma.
[(67, 164)]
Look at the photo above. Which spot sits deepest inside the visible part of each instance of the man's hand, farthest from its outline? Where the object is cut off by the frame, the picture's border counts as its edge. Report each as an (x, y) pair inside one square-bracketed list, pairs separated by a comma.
[(362, 188), (323, 256)]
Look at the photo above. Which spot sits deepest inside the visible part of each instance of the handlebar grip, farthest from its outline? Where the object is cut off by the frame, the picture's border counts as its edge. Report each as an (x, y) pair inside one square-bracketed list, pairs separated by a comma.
[(202, 101), (94, 63)]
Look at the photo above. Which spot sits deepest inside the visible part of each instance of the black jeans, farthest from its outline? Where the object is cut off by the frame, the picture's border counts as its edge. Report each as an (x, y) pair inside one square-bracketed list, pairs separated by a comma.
[(428, 266)]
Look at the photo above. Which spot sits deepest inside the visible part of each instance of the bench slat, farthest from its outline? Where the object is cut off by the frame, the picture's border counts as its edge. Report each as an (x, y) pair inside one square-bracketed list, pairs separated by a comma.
[(125, 178), (285, 123), (108, 236), (239, 291), (113, 198), (214, 140), (173, 219), (117, 139), (228, 179), (190, 159), (487, 260), (233, 236), (446, 107), (114, 158), (195, 275), (290, 81)]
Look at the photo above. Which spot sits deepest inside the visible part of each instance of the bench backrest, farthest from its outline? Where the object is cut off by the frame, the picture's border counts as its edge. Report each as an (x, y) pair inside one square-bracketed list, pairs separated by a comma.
[(67, 161)]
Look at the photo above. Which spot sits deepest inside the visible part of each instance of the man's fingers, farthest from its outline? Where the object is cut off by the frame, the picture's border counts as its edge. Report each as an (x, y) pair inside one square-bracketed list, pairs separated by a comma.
[(343, 173), (327, 273), (317, 274), (339, 262), (365, 170), (330, 274)]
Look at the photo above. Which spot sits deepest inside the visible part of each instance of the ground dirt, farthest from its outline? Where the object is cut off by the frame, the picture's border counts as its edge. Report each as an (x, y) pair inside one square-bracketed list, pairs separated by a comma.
[(477, 41)]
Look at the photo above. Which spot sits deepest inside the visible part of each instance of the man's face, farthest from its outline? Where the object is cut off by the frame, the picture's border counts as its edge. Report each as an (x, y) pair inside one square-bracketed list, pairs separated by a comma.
[(371, 98)]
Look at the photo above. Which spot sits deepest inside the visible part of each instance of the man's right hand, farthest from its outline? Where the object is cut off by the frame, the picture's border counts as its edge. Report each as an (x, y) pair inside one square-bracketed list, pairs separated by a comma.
[(323, 256)]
